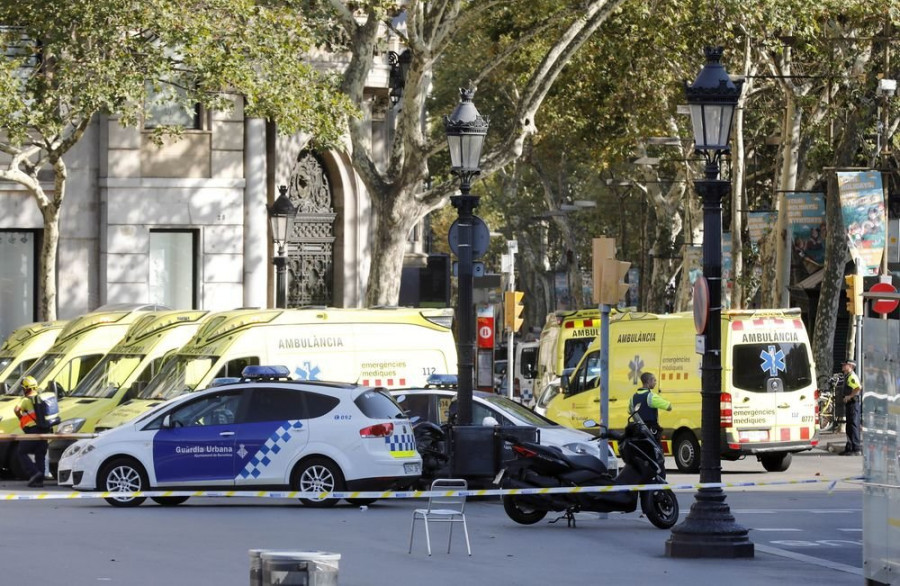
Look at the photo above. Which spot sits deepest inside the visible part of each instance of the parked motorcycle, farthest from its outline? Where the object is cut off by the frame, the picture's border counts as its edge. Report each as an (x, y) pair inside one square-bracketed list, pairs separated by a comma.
[(431, 445), (537, 466)]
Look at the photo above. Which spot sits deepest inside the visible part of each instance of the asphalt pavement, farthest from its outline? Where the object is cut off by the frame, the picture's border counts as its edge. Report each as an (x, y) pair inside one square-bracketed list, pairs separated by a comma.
[(206, 541)]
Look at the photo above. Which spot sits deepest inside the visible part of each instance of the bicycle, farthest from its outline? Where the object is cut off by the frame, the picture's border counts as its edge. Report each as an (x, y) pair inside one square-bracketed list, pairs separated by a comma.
[(827, 419)]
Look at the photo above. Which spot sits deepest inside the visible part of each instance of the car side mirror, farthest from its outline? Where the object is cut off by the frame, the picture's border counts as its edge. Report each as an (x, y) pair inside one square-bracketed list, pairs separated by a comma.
[(56, 389)]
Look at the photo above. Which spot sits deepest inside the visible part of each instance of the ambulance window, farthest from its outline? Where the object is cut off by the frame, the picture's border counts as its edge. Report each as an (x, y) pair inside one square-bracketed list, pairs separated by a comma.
[(236, 367), (271, 404), (574, 350), (755, 364), (589, 375)]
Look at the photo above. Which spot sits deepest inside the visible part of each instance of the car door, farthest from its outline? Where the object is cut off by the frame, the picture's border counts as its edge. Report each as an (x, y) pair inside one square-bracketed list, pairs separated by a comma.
[(198, 448), (275, 430)]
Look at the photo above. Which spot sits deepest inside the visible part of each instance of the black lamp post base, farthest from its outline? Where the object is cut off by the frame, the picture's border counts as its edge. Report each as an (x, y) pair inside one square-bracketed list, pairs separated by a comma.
[(709, 531)]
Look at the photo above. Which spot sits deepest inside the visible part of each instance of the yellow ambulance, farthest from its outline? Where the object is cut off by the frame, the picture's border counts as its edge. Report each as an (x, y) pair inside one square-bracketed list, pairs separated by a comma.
[(80, 346), (25, 345), (767, 405), (385, 347), (564, 339), (124, 371)]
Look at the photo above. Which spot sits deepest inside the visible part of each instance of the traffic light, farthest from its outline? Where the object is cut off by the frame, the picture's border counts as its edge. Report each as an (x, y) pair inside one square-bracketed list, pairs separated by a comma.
[(613, 287), (512, 310), (854, 294)]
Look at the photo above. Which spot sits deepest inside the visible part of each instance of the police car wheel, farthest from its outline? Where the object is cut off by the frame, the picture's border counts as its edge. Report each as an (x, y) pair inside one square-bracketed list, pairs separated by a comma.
[(123, 475), (318, 475), (687, 453)]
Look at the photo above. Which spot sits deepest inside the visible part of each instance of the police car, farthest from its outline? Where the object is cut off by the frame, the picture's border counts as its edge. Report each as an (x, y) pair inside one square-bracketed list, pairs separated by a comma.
[(265, 432)]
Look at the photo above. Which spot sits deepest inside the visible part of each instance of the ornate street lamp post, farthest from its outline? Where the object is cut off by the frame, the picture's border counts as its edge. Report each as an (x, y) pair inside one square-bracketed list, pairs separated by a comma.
[(281, 212), (709, 530), (466, 130)]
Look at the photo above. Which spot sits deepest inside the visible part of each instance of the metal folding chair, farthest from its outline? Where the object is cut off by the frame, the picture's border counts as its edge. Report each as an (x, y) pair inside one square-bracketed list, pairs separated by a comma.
[(445, 507)]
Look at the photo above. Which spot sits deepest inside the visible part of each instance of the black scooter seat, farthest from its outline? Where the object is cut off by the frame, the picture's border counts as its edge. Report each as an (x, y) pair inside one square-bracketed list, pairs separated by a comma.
[(587, 462)]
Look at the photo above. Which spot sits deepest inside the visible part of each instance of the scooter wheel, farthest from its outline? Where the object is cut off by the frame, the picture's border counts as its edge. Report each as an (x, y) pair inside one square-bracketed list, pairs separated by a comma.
[(661, 508), (521, 513)]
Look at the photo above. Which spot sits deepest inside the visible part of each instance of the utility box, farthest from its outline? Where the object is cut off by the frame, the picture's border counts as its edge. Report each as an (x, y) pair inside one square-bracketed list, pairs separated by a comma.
[(479, 451)]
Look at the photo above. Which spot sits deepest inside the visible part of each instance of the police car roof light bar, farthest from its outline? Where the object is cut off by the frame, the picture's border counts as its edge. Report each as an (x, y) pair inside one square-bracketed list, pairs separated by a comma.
[(266, 372)]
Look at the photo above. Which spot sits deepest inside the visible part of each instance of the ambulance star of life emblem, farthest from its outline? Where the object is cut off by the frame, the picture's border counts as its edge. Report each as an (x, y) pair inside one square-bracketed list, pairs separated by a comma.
[(772, 361), (242, 452)]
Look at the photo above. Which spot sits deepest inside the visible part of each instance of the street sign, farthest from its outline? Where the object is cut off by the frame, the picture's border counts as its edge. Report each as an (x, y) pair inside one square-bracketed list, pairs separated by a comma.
[(884, 306), (485, 326), (481, 237), (701, 304)]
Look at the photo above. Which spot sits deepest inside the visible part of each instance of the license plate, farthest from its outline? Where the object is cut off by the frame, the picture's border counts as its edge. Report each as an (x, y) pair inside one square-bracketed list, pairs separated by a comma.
[(755, 435), (412, 468)]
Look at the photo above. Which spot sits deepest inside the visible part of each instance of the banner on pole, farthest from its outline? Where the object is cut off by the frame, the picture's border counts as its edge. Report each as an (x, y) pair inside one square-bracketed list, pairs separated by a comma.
[(862, 206)]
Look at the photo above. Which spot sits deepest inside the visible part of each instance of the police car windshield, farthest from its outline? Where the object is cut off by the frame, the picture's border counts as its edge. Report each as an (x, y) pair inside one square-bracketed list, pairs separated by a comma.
[(756, 364), (508, 406), (181, 374), (40, 371), (105, 379)]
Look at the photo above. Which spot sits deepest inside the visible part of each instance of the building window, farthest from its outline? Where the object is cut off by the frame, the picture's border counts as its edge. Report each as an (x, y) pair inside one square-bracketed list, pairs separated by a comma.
[(173, 268), (165, 107), (18, 279)]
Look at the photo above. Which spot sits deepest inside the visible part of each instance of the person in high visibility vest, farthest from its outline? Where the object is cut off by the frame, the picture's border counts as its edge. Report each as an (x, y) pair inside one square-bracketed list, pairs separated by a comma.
[(25, 411), (647, 404), (852, 400)]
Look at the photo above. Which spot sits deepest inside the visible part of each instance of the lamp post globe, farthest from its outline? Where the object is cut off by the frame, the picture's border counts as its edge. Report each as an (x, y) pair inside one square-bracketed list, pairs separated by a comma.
[(465, 129), (281, 212), (709, 529)]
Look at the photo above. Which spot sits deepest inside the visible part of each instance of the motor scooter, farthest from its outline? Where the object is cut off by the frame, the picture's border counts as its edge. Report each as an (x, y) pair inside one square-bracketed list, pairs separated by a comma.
[(537, 466)]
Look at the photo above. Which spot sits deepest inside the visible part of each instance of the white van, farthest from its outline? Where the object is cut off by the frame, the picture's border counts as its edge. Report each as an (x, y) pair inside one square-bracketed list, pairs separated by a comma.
[(385, 347)]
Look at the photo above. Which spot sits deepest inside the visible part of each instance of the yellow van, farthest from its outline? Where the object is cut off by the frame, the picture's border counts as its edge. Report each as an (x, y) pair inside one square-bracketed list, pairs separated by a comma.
[(767, 405), (564, 339), (124, 371), (25, 345), (385, 347), (78, 348)]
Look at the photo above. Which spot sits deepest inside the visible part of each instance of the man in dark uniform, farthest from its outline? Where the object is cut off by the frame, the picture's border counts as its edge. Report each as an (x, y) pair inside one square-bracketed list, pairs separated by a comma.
[(852, 403), (647, 404)]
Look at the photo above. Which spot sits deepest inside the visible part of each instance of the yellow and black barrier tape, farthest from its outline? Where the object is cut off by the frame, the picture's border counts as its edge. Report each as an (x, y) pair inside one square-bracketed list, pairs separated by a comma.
[(408, 494), (14, 437)]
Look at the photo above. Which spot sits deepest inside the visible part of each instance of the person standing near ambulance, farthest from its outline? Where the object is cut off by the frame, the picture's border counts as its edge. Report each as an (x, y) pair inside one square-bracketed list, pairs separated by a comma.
[(647, 404), (28, 421), (852, 402)]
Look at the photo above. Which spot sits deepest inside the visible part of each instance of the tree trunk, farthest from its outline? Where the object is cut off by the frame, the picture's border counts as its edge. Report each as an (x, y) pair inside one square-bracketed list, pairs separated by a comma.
[(47, 269)]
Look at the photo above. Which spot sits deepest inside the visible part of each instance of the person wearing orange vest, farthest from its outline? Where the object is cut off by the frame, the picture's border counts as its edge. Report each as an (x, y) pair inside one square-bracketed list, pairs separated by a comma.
[(25, 411)]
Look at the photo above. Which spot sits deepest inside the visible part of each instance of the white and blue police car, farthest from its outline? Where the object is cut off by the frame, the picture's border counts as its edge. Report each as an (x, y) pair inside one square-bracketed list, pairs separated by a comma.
[(264, 432)]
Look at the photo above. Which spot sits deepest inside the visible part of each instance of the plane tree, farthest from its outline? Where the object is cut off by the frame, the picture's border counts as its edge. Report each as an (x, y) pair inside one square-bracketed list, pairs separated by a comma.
[(66, 62)]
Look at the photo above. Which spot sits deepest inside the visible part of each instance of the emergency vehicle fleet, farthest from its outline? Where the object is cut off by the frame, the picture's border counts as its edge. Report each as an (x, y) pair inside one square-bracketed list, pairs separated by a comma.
[(768, 404), (384, 347)]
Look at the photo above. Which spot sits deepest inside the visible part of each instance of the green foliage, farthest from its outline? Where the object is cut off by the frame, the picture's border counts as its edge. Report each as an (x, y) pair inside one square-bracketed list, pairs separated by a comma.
[(73, 59)]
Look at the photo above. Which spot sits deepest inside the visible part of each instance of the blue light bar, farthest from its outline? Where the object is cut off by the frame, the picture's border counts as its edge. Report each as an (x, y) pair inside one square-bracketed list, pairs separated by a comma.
[(442, 380), (265, 372)]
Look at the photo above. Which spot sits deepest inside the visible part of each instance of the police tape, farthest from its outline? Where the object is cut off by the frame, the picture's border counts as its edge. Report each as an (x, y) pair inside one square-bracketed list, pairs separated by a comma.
[(411, 494), (13, 437)]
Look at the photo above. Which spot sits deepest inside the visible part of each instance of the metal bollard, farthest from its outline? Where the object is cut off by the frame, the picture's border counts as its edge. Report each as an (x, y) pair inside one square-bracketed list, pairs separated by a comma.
[(299, 568), (255, 567)]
